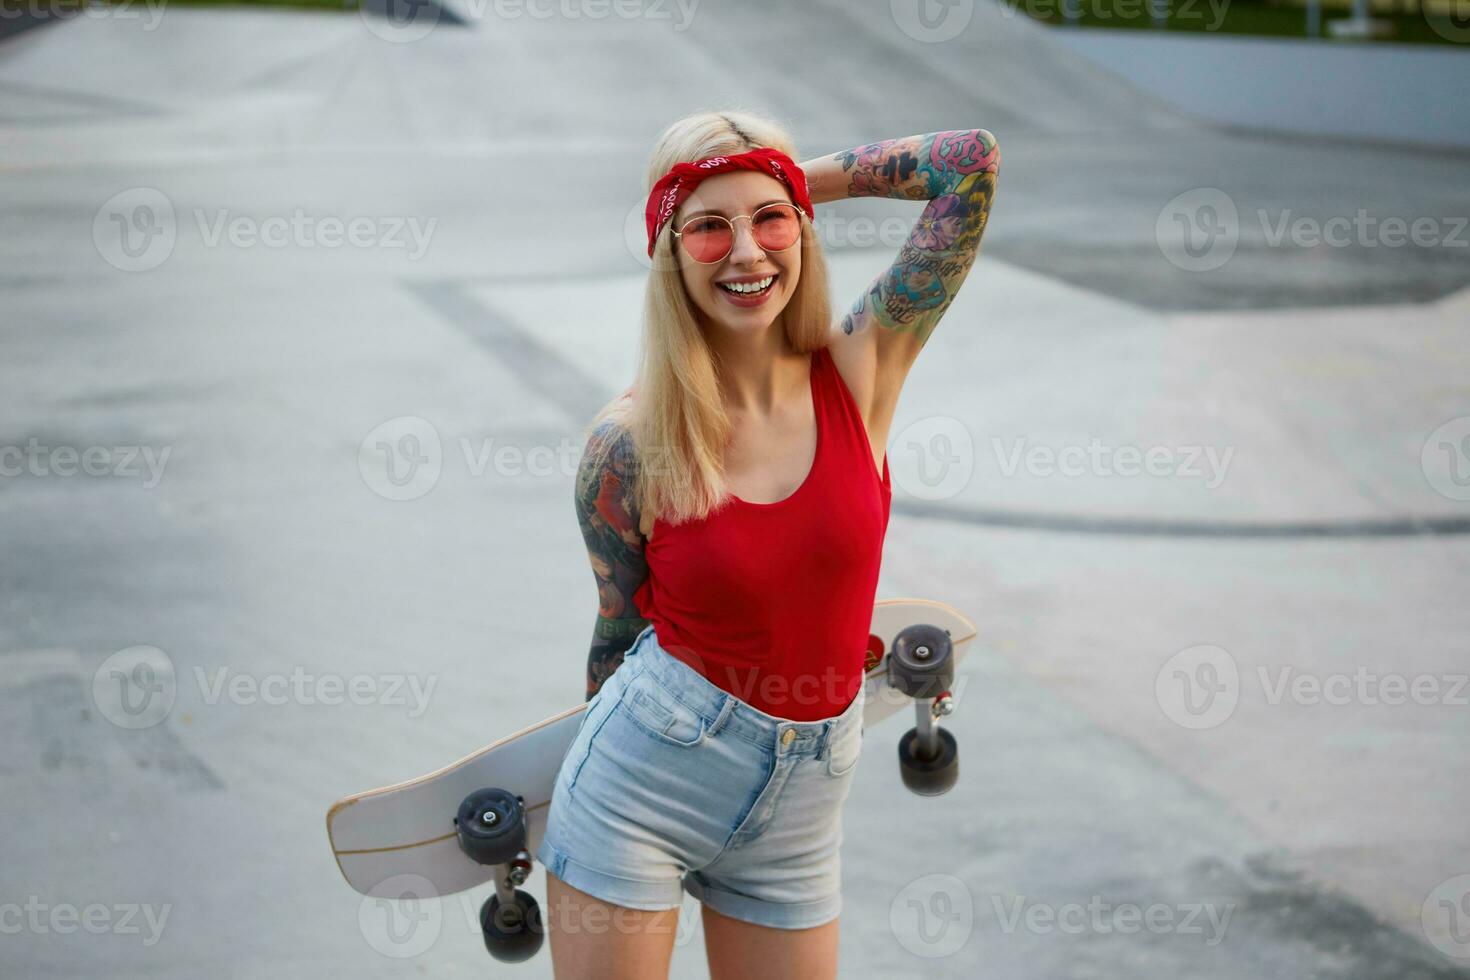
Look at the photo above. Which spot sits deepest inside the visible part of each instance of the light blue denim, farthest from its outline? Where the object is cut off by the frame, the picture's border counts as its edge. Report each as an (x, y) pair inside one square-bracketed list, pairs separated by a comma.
[(673, 783)]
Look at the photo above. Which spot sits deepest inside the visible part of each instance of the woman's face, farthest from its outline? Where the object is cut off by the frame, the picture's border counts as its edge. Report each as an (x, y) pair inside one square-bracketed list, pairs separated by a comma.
[(732, 194)]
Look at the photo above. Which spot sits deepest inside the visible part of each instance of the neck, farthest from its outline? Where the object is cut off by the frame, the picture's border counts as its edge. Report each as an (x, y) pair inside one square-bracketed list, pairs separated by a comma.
[(759, 373)]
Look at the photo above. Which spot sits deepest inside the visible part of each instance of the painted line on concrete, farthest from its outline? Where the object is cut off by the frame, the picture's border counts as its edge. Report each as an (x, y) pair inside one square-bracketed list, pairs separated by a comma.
[(537, 366), (581, 396), (1393, 527)]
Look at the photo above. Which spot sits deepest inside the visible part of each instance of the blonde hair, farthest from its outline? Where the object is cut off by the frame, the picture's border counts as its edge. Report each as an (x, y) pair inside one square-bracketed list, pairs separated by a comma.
[(677, 422)]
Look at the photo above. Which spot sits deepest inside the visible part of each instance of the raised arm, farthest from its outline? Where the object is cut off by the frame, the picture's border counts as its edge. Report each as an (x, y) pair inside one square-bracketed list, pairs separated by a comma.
[(608, 514), (955, 172)]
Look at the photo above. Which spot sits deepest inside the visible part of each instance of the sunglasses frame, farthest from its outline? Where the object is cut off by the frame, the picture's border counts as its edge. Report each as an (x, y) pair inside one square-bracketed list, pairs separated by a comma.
[(731, 222)]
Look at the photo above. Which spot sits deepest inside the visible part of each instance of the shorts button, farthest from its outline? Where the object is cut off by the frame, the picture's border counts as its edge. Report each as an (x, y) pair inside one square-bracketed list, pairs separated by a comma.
[(787, 736)]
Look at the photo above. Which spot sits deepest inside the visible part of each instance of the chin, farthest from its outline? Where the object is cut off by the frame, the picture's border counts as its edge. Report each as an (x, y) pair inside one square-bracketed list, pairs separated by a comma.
[(749, 318)]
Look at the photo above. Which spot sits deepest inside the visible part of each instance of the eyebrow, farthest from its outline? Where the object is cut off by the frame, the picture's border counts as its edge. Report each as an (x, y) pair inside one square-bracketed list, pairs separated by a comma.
[(696, 214)]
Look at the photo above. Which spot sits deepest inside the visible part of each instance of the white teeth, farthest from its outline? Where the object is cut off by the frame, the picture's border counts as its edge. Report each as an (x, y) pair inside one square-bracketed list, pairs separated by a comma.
[(748, 287)]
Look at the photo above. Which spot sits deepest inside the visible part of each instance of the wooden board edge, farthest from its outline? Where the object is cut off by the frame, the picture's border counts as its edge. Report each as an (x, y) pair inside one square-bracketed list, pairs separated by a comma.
[(938, 605), (347, 801)]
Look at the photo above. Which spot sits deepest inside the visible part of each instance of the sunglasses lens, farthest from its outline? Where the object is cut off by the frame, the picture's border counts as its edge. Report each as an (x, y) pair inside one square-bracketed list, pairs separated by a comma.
[(708, 239), (777, 227)]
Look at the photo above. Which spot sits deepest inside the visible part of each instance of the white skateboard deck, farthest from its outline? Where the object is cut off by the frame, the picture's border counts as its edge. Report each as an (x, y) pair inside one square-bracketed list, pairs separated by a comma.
[(408, 828)]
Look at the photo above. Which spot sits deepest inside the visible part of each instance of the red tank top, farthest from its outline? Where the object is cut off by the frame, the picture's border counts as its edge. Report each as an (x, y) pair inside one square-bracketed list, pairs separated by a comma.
[(773, 602)]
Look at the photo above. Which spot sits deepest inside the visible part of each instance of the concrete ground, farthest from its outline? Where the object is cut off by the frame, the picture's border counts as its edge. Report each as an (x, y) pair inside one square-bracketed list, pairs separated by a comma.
[(1181, 749)]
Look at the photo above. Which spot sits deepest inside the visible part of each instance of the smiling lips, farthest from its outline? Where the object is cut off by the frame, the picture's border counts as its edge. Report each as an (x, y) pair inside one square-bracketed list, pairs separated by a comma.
[(747, 286)]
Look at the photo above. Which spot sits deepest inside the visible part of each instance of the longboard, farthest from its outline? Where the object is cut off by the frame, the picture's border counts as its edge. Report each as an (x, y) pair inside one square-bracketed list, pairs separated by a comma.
[(408, 828)]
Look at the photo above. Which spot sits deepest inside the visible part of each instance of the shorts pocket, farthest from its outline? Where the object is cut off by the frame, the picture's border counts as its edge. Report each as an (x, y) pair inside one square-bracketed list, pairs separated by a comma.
[(843, 754), (655, 710), (598, 711)]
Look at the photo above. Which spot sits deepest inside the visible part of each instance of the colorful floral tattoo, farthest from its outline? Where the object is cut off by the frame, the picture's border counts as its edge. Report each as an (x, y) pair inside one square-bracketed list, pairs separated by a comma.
[(955, 171), (607, 511)]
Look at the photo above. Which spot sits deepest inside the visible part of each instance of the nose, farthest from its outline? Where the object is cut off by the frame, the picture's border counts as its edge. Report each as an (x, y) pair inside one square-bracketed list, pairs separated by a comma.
[(745, 250)]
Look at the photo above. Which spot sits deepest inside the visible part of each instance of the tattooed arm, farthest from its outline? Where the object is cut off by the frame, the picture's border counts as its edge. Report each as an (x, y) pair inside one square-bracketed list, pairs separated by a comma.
[(608, 514), (955, 172)]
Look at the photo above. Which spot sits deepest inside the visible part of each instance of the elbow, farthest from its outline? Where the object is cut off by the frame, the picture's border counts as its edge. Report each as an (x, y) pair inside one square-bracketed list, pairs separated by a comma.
[(992, 150), (960, 154)]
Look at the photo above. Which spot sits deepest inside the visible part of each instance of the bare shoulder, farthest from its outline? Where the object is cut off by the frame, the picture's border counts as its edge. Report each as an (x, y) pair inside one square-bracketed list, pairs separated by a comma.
[(608, 511), (606, 490)]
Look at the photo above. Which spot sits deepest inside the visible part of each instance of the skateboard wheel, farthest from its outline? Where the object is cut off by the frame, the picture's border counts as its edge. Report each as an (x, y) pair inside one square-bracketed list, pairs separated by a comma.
[(929, 777), (491, 825), (921, 664), (514, 931)]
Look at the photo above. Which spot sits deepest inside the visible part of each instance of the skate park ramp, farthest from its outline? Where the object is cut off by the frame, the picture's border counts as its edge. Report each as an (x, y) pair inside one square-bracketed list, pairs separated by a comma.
[(244, 376)]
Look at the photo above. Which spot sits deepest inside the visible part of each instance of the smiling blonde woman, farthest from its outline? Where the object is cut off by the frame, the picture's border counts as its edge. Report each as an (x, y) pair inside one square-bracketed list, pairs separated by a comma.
[(734, 502)]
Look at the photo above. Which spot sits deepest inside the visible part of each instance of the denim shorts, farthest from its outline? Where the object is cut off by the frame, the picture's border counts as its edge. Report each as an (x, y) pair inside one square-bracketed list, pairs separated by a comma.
[(672, 783)]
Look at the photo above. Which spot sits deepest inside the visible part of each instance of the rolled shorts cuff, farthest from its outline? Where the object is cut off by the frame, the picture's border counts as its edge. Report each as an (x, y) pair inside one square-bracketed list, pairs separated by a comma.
[(784, 915), (648, 896)]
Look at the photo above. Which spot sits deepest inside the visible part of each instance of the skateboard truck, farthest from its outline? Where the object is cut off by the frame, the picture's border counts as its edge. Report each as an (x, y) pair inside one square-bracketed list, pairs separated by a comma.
[(921, 665), (492, 830)]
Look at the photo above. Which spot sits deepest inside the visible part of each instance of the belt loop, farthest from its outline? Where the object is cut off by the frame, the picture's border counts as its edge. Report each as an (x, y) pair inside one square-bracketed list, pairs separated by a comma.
[(725, 709)]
